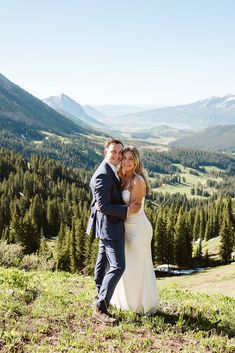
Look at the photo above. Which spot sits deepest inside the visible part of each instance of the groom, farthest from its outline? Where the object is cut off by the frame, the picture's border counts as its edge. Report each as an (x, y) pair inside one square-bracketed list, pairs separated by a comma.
[(108, 213)]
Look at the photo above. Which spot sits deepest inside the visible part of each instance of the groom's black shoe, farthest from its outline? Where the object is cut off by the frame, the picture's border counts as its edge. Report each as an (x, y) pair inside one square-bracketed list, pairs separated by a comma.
[(104, 317)]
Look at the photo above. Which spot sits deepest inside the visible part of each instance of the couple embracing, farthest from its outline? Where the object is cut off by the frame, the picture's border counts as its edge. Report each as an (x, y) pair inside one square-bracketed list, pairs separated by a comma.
[(124, 274)]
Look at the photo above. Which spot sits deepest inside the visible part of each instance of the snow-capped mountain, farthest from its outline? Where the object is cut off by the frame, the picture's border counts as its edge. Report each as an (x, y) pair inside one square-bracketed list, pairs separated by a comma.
[(201, 114), (226, 102)]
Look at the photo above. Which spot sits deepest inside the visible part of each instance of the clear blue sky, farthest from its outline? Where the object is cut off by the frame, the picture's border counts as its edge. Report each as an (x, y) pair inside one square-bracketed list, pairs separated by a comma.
[(120, 51)]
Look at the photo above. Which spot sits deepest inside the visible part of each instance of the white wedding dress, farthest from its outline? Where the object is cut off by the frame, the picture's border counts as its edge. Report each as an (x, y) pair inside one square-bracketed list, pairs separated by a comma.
[(137, 289)]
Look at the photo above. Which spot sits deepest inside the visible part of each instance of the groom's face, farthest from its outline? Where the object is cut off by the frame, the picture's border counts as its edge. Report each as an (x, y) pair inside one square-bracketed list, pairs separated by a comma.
[(113, 153)]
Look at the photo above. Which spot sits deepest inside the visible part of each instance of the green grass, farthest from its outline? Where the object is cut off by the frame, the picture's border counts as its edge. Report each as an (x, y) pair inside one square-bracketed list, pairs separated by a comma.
[(52, 312), (212, 247), (214, 280), (191, 180)]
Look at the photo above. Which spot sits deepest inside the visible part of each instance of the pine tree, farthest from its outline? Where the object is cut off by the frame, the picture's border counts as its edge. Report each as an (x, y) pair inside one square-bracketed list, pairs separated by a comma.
[(182, 246), (53, 218), (209, 232), (28, 235), (218, 216), (6, 211), (196, 225), (160, 239), (231, 217), (89, 240), (1, 224), (36, 212), (188, 238), (6, 235), (80, 242), (44, 249), (226, 233), (202, 226), (15, 225), (199, 250), (170, 244), (63, 261), (73, 249)]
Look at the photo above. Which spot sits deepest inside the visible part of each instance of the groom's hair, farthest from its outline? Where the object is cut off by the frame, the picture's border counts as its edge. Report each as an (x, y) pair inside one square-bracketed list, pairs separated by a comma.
[(112, 140)]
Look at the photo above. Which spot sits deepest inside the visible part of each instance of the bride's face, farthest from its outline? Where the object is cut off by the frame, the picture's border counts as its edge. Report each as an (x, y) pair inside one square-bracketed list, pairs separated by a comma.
[(127, 162)]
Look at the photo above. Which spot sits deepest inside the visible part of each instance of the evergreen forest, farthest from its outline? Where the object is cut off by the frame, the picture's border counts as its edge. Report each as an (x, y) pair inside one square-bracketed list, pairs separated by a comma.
[(45, 204)]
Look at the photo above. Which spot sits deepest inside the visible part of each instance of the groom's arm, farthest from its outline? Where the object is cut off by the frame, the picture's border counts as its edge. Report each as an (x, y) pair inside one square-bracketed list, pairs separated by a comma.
[(102, 193)]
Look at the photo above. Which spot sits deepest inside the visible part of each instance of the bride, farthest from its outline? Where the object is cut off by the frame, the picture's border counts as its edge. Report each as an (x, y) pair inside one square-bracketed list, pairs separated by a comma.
[(137, 289)]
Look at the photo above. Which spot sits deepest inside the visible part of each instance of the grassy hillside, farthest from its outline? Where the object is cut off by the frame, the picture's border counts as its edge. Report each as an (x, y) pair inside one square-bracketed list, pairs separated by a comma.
[(51, 312), (22, 112), (191, 181), (214, 138), (217, 280), (212, 248)]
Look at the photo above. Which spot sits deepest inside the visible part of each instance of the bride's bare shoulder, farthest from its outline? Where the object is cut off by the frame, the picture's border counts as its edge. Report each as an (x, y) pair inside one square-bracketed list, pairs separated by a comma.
[(138, 181)]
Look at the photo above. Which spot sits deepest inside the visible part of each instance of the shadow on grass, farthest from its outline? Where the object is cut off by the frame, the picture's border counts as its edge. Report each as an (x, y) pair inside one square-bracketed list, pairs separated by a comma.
[(198, 322), (183, 322)]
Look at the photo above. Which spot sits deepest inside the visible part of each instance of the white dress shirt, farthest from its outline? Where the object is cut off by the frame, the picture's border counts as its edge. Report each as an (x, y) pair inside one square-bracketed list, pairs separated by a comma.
[(114, 169)]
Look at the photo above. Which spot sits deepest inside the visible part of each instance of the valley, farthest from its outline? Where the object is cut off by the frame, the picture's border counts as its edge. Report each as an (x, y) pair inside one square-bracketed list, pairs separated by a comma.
[(191, 179), (197, 184), (87, 266)]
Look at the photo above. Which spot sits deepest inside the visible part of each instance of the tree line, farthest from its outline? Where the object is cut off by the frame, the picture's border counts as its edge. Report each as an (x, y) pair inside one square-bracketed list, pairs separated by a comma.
[(82, 151), (179, 225), (40, 199)]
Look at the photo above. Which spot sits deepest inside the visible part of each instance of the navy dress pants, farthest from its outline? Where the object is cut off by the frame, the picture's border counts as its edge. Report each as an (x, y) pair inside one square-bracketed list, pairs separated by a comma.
[(109, 268)]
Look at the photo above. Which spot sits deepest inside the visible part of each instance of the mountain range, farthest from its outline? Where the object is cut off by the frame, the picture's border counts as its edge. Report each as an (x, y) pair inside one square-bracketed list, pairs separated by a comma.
[(22, 113), (214, 138), (67, 105), (205, 124), (116, 110), (201, 114)]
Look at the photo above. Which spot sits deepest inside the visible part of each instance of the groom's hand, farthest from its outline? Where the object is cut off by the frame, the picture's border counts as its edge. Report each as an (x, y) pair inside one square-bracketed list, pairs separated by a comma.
[(134, 206)]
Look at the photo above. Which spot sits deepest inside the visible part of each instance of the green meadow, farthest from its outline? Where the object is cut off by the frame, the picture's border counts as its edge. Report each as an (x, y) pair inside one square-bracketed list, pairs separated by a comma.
[(191, 181), (52, 312)]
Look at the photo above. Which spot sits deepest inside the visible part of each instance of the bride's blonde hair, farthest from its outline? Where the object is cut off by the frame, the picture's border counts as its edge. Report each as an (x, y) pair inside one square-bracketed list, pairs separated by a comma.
[(138, 166)]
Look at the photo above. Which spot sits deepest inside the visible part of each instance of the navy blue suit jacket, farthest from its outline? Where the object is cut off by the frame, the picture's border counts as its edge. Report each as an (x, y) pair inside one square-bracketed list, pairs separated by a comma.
[(106, 192)]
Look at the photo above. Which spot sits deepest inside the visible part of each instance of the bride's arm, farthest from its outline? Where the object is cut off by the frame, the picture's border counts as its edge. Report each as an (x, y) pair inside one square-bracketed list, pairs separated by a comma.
[(138, 190)]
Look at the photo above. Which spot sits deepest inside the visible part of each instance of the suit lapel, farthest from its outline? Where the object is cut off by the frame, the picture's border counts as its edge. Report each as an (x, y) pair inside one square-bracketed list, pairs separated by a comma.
[(111, 172)]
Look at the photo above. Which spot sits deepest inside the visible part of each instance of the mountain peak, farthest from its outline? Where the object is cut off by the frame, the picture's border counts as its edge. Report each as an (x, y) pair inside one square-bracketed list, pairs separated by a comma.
[(57, 101), (18, 107), (70, 106), (63, 96)]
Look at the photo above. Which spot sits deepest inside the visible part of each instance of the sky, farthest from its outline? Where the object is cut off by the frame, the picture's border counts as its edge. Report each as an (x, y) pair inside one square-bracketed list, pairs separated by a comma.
[(161, 52)]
